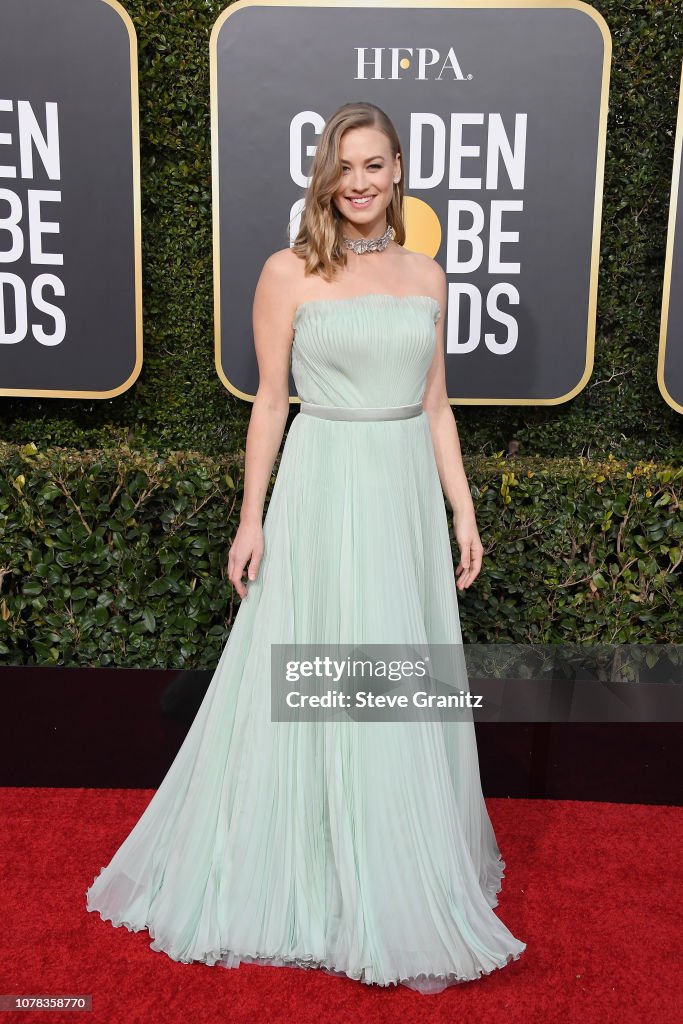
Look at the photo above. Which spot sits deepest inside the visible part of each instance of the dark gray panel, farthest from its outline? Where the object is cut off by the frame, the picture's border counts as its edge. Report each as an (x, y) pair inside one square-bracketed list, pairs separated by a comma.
[(76, 54), (273, 62)]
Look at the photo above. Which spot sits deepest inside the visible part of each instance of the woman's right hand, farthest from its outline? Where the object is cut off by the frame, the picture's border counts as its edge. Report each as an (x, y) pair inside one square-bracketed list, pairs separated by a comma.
[(246, 547)]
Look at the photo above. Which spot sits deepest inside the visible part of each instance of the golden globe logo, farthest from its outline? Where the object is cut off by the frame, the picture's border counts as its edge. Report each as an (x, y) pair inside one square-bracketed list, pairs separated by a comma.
[(384, 63)]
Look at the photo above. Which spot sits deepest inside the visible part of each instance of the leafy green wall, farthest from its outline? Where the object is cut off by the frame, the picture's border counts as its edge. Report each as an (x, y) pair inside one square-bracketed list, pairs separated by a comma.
[(113, 557)]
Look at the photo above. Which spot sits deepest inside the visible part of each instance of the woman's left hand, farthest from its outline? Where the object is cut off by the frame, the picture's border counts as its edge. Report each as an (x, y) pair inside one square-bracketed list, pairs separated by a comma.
[(471, 550)]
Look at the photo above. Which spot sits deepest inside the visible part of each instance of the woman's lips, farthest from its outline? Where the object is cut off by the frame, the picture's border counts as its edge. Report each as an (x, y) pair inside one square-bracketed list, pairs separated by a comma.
[(360, 206)]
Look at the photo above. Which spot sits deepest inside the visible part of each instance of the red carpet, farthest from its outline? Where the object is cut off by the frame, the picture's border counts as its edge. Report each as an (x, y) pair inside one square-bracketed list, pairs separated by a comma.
[(593, 889)]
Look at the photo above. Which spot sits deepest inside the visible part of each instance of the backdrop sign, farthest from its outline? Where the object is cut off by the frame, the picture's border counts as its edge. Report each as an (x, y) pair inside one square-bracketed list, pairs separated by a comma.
[(70, 260), (501, 110), (670, 363)]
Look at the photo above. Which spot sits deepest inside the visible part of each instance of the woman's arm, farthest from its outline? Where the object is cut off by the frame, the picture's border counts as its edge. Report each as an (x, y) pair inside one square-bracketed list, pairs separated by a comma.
[(447, 453), (272, 317), (448, 457)]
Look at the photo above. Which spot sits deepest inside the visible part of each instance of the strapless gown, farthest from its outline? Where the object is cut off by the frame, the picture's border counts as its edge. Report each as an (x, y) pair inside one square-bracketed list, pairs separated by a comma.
[(363, 849)]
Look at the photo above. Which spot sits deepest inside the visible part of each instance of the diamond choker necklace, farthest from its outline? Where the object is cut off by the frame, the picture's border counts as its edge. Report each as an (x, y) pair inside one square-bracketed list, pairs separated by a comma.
[(361, 245)]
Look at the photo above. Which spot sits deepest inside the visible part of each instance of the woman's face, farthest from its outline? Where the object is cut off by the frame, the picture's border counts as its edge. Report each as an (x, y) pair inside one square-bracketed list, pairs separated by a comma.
[(368, 172)]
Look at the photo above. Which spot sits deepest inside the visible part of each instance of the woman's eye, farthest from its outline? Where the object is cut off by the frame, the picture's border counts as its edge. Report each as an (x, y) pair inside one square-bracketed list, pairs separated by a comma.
[(378, 166)]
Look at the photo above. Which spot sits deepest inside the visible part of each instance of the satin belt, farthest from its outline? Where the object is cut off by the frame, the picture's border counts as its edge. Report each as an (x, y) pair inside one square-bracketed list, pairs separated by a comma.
[(343, 412)]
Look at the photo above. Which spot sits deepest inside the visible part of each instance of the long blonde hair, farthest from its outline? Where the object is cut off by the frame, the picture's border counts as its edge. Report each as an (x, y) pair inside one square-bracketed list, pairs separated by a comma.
[(319, 239)]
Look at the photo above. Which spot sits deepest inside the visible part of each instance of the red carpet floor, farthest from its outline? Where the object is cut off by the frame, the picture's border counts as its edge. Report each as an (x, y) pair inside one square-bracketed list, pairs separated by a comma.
[(593, 889)]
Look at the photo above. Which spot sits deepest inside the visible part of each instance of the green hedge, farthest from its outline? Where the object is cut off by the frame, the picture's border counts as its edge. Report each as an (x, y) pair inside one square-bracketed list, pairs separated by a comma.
[(113, 557), (178, 401)]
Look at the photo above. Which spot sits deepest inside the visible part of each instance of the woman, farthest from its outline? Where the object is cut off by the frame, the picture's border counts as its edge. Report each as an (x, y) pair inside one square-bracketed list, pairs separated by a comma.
[(362, 848)]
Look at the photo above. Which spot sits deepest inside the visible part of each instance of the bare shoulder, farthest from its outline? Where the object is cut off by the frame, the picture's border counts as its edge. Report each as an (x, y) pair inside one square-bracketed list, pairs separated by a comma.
[(429, 273), (427, 269), (283, 266), (280, 277)]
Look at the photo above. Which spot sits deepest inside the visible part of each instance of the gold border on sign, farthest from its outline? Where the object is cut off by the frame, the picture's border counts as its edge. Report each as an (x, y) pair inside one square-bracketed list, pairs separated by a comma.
[(577, 5), (137, 234), (668, 260)]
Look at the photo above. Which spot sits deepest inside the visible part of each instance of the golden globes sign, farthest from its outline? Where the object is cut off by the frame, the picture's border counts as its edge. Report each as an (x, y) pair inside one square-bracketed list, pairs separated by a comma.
[(70, 263), (501, 109), (670, 362)]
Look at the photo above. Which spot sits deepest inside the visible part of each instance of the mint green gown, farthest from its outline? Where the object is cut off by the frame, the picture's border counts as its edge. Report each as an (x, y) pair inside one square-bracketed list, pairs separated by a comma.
[(363, 849)]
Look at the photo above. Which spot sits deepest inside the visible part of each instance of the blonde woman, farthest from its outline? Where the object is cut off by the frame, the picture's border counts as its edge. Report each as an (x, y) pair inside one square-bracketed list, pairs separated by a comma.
[(361, 848)]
